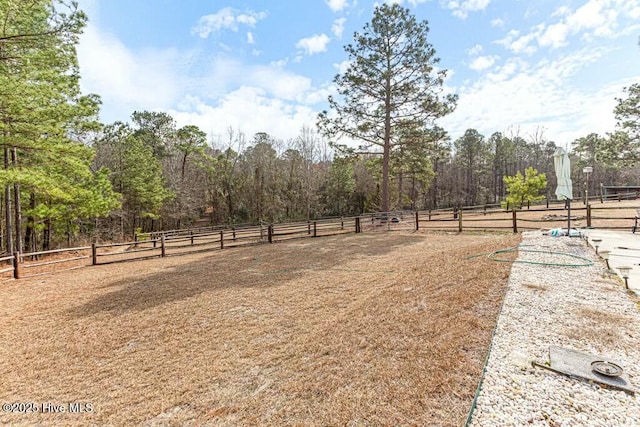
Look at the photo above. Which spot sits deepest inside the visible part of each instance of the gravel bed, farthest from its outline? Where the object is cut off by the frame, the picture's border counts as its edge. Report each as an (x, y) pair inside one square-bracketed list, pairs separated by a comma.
[(582, 308)]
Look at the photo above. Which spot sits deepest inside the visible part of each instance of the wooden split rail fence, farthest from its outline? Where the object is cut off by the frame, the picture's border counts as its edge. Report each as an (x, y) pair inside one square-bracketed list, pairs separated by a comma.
[(177, 242), (590, 216), (154, 245)]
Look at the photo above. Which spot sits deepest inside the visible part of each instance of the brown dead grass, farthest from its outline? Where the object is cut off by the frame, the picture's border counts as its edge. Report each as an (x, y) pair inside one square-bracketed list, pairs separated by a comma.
[(595, 315), (535, 287), (599, 326), (378, 329)]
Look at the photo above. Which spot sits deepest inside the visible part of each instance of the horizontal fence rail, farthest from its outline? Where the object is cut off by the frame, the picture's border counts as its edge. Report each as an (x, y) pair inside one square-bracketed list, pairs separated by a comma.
[(490, 217)]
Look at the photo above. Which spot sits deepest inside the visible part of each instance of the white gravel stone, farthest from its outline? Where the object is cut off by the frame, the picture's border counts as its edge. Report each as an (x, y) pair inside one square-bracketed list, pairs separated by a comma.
[(574, 307)]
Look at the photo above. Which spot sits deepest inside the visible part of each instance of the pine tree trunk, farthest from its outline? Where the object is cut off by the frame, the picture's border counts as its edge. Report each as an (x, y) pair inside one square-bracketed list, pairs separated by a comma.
[(7, 208), (29, 233), (414, 196), (16, 205), (400, 184), (229, 205), (385, 164), (434, 192), (2, 230), (46, 235)]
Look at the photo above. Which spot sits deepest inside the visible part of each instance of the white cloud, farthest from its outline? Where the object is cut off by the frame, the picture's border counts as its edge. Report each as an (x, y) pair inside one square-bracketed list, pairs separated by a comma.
[(250, 38), (278, 82), (507, 70), (251, 18), (314, 44), (475, 50), (533, 95), (595, 18), (342, 67), (226, 93), (483, 62), (226, 18), (461, 9), (589, 15), (518, 44), (413, 3), (336, 5), (337, 28), (226, 74), (632, 10), (319, 96), (281, 63), (497, 22), (130, 80), (561, 11), (248, 109), (554, 35)]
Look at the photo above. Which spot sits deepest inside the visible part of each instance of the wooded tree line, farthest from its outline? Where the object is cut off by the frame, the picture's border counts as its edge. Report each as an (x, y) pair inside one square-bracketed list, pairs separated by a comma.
[(68, 177)]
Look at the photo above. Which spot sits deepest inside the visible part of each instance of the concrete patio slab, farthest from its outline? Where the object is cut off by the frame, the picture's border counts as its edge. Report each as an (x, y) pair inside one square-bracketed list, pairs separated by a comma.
[(624, 248)]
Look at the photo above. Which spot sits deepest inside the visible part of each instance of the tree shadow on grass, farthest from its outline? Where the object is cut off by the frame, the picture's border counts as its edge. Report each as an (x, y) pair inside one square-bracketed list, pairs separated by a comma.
[(254, 266)]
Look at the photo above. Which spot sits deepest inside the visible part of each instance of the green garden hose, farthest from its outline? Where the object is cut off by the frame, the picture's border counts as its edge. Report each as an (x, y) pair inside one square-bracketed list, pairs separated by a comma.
[(491, 256)]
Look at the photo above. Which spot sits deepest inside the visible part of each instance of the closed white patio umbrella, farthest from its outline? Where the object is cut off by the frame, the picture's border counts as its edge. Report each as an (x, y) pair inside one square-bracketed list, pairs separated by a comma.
[(564, 190)]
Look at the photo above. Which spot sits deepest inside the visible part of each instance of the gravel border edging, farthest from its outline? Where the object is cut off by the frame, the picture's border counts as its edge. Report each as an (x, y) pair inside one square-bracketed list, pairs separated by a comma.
[(580, 308)]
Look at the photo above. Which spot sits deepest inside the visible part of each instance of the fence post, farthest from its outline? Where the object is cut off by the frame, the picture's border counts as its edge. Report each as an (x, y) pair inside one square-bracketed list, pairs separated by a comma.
[(154, 237), (16, 265), (315, 229), (341, 223), (429, 214), (460, 221), (233, 229), (191, 232), (221, 239), (94, 254), (357, 224), (135, 240), (270, 233), (308, 227), (417, 221), (515, 221), (485, 210), (162, 248), (588, 215)]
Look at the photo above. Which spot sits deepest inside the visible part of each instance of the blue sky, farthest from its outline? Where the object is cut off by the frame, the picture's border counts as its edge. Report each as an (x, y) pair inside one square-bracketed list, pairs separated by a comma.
[(518, 66)]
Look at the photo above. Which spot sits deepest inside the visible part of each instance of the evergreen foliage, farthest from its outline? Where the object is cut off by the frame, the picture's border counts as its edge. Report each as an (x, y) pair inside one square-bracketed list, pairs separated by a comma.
[(524, 189), (391, 84), (43, 121)]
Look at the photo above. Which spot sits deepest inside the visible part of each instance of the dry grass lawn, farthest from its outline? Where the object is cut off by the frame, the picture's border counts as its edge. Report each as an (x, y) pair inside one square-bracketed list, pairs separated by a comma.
[(367, 329)]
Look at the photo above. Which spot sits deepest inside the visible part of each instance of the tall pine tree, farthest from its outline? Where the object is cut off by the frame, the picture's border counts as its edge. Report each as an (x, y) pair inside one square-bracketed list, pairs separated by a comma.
[(43, 116), (391, 81)]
